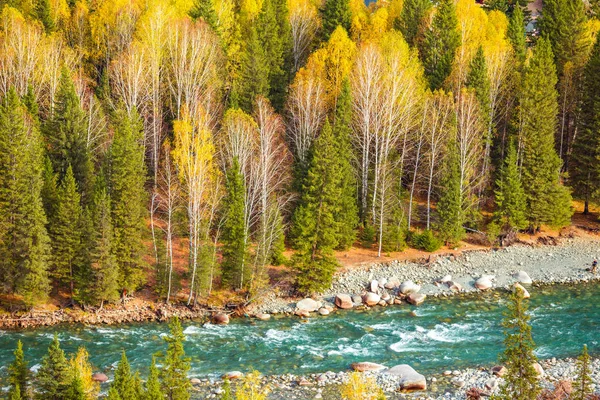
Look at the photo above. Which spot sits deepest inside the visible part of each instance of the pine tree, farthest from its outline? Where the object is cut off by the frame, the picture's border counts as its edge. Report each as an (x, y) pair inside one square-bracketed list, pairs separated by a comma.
[(584, 172), (477, 79), (123, 383), (315, 229), (66, 136), (127, 176), (175, 365), (516, 34), (411, 19), (235, 271), (335, 13), (521, 381), (280, 79), (105, 272), (19, 373), (43, 12), (583, 384), (347, 220), (153, 390), (450, 204), (440, 44), (49, 189), (510, 211), (205, 10), (23, 238), (65, 231), (254, 79), (53, 377), (547, 200), (113, 394)]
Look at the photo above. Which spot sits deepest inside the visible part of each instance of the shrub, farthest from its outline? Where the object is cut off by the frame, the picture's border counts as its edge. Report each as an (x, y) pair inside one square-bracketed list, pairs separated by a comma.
[(360, 387), (425, 241)]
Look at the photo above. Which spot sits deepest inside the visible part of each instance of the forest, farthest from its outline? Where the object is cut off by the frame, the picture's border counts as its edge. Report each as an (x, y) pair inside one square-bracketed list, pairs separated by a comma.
[(238, 134)]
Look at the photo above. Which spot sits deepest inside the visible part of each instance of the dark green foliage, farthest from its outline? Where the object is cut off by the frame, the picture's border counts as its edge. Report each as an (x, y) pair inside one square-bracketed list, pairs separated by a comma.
[(127, 176), (23, 237), (440, 44), (315, 229), (153, 389), (411, 19), (66, 136), (66, 233), (521, 381), (75, 391), (425, 241), (235, 271), (104, 282), (335, 13), (510, 195), (548, 202), (277, 256), (450, 205), (254, 79), (43, 12), (582, 387), (347, 219), (205, 10), (175, 365), (367, 236), (123, 385), (516, 34), (19, 373), (477, 79), (53, 377), (564, 24), (584, 169)]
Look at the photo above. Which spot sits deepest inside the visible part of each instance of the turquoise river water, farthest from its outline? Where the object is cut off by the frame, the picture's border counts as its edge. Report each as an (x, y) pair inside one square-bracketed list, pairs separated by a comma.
[(447, 333)]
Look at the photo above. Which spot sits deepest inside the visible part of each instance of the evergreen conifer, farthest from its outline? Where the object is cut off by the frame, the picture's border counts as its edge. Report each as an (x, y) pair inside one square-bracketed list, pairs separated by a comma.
[(153, 390), (511, 205), (19, 373), (175, 365), (450, 205), (254, 79), (53, 377), (335, 13), (411, 19), (583, 383)]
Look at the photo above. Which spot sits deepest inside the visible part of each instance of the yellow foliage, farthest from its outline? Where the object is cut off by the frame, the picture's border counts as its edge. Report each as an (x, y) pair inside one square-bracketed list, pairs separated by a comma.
[(252, 388), (360, 387), (80, 361), (250, 8)]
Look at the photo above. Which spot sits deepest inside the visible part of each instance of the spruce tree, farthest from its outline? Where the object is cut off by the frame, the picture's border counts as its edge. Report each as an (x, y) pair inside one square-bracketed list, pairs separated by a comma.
[(516, 34), (15, 394), (254, 75), (235, 271), (123, 383), (582, 388), (335, 13), (411, 19), (548, 202), (439, 46), (450, 205), (104, 283), (584, 170), (43, 12), (153, 390), (23, 238), (205, 10), (521, 380), (19, 373), (477, 79), (127, 176), (347, 219), (315, 229), (175, 365), (66, 136), (66, 234), (53, 377), (280, 79), (511, 205)]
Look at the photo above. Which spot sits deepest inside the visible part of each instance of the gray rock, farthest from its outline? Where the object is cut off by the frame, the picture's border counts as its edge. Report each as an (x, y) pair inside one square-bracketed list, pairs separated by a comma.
[(308, 304), (409, 287), (367, 366), (484, 283), (409, 378), (323, 311), (374, 286), (392, 283), (523, 277), (371, 299), (416, 298), (343, 301)]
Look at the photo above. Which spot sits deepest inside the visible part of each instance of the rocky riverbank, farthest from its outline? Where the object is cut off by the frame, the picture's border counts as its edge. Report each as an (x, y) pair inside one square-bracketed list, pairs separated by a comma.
[(447, 275), (445, 385)]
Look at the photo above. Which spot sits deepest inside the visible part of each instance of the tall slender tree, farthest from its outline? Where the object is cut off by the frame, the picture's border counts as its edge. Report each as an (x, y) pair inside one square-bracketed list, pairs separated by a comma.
[(335, 13), (175, 365), (516, 34), (450, 206), (19, 373), (583, 384), (153, 389), (511, 204), (123, 385), (411, 19), (255, 70), (53, 377), (440, 43), (547, 200)]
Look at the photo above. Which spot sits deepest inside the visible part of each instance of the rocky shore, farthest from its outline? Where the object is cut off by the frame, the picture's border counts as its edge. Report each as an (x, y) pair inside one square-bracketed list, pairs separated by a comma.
[(447, 275), (445, 385)]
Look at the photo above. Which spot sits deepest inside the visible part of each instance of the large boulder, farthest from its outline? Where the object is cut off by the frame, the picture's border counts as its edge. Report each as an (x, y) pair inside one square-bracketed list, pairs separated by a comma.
[(484, 283), (499, 370), (539, 370), (409, 287), (445, 279), (374, 286), (518, 286), (308, 304), (371, 299), (343, 301), (323, 311), (263, 316), (416, 298), (99, 377), (356, 299), (392, 283), (523, 277), (409, 378), (367, 366), (220, 319), (231, 375)]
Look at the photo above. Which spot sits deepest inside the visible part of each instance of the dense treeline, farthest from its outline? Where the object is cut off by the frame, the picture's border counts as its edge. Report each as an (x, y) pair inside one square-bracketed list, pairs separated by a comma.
[(131, 128)]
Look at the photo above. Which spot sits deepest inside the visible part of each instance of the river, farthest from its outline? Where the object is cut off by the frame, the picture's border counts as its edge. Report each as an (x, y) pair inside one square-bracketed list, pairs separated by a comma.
[(441, 334)]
